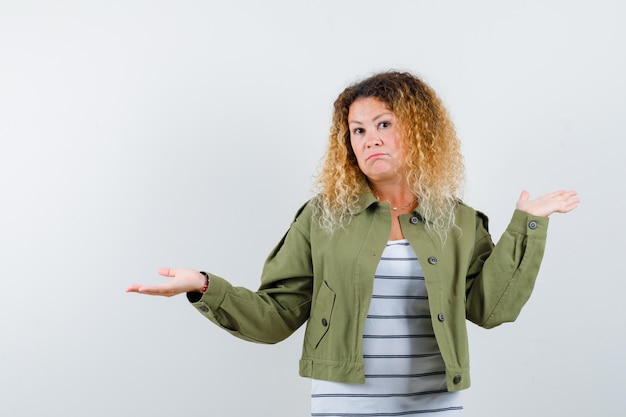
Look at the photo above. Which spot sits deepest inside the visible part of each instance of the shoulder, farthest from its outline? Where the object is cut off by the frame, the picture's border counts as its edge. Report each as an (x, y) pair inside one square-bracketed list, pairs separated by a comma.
[(303, 218), (466, 216), (306, 210)]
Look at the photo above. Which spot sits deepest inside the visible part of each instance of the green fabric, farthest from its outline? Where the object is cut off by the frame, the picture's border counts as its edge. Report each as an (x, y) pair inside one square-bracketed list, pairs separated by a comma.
[(326, 281)]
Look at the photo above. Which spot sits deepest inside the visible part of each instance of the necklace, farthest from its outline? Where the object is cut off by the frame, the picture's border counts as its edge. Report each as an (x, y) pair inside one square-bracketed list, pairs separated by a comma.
[(400, 208)]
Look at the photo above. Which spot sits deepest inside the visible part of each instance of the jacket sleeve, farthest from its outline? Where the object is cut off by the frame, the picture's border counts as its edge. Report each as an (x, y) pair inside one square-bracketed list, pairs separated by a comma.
[(281, 304), (501, 278)]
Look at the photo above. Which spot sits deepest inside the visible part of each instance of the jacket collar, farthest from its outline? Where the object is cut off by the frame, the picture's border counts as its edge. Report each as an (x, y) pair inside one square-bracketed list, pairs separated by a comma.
[(367, 200)]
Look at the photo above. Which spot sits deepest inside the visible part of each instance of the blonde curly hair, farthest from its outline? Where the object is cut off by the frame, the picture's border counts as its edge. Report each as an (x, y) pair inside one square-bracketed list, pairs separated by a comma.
[(434, 164)]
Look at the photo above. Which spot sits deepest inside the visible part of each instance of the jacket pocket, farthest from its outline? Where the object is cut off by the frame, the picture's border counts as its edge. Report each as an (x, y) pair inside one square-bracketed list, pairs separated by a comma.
[(526, 251), (321, 316)]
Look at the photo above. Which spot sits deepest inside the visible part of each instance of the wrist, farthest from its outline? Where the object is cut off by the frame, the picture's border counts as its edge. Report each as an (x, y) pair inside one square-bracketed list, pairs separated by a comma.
[(205, 285)]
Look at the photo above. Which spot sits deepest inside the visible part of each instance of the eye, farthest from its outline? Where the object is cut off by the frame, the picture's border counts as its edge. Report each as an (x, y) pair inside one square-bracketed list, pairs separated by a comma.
[(383, 125), (358, 131)]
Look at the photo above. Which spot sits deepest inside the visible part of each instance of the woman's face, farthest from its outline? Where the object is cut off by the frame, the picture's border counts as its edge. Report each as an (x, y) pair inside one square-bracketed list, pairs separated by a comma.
[(375, 139)]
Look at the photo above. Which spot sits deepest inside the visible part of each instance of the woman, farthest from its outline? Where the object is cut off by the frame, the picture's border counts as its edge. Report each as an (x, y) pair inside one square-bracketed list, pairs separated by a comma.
[(385, 263)]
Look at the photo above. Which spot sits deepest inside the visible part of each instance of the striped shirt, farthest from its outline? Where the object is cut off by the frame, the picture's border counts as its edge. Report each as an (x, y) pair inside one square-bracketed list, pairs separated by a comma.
[(404, 370)]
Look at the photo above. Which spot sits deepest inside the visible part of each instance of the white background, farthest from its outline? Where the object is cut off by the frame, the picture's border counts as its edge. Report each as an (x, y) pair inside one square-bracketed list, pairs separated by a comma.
[(139, 134)]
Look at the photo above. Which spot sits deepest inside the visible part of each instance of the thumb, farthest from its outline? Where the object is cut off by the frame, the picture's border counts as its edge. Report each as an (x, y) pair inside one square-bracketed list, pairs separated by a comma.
[(167, 272), (524, 196)]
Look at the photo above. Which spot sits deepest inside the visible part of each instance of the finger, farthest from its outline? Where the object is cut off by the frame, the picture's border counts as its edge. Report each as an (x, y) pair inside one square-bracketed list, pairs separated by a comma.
[(568, 200), (571, 205), (568, 205), (142, 289), (565, 194), (524, 196), (156, 290)]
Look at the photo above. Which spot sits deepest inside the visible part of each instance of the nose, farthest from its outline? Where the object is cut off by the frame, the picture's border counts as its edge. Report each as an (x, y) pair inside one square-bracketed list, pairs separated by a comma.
[(373, 140)]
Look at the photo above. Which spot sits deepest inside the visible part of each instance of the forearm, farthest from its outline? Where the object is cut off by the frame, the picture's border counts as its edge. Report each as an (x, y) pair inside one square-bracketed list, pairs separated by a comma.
[(506, 280), (265, 316)]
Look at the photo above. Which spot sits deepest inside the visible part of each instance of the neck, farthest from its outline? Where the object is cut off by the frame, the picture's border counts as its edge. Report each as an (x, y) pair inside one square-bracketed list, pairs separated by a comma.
[(398, 197)]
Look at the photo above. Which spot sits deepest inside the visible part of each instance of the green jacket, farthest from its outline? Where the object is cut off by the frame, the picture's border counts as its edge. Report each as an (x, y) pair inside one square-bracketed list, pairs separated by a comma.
[(327, 279)]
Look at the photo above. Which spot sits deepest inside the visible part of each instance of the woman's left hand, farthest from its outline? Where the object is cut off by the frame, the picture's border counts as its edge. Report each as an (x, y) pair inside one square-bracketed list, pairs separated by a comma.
[(182, 280), (556, 202)]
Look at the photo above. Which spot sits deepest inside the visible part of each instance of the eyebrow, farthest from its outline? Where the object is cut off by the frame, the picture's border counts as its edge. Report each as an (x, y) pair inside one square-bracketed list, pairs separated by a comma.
[(384, 114)]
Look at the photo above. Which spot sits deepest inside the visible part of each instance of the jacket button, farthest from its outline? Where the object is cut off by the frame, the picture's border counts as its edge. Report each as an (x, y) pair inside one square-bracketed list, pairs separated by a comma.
[(204, 309), (441, 317), (415, 220), (456, 379), (432, 260), (324, 322), (532, 225)]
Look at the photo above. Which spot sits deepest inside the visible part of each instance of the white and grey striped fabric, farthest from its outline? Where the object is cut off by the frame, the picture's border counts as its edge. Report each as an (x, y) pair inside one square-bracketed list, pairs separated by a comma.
[(404, 371)]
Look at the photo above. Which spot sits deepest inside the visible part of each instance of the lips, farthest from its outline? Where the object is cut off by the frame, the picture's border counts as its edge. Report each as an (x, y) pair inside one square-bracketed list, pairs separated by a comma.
[(375, 155)]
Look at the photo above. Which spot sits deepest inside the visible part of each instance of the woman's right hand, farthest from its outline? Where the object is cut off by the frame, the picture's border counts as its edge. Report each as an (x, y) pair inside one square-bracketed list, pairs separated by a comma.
[(556, 202), (182, 281)]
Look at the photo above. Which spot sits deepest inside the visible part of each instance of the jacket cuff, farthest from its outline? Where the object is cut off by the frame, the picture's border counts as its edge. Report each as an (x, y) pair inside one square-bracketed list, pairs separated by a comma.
[(528, 224), (212, 298)]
